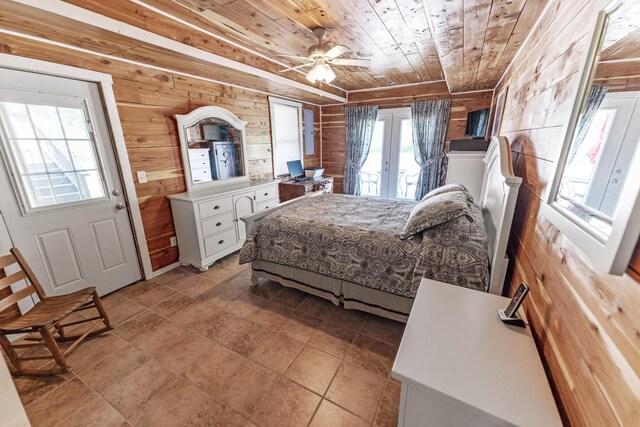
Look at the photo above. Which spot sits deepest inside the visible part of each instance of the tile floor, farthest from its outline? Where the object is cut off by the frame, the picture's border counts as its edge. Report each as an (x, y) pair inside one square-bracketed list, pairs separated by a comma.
[(192, 348)]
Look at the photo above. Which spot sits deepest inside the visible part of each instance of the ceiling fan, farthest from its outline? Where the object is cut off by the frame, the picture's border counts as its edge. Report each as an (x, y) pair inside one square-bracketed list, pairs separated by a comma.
[(321, 56)]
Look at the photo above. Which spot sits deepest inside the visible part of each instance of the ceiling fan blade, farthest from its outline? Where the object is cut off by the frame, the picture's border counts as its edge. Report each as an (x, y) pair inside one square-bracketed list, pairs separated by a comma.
[(352, 62), (296, 67), (336, 51), (299, 58)]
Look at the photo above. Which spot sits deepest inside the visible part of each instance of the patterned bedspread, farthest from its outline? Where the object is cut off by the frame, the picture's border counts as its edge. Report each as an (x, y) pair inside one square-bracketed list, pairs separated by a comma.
[(357, 239)]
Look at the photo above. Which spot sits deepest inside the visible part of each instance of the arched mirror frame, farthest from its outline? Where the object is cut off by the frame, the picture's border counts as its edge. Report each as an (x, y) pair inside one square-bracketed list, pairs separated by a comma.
[(610, 254), (209, 112)]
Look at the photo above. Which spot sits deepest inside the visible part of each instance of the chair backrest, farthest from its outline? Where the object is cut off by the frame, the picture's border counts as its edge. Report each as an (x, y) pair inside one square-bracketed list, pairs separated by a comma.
[(7, 299)]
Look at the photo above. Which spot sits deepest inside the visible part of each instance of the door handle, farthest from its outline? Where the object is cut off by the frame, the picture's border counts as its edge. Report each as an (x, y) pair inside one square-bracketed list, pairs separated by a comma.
[(120, 206), (116, 192)]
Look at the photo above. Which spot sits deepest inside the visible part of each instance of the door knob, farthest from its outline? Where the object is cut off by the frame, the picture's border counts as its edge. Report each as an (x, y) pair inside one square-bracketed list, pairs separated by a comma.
[(120, 206), (116, 192)]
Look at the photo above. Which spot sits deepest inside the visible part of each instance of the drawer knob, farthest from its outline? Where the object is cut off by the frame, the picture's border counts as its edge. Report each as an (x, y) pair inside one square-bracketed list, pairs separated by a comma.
[(221, 242), (218, 224), (266, 194), (216, 207)]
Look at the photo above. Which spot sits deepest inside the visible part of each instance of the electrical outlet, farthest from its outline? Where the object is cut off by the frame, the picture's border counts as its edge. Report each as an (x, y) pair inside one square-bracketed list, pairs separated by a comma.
[(142, 177), (174, 241)]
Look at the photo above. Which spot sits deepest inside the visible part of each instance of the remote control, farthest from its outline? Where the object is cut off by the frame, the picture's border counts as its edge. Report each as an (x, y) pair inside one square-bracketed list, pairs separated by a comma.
[(517, 299)]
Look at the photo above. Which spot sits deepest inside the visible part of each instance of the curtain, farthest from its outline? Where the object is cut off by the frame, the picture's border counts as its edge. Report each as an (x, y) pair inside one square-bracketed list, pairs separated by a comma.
[(429, 120), (596, 96), (360, 122)]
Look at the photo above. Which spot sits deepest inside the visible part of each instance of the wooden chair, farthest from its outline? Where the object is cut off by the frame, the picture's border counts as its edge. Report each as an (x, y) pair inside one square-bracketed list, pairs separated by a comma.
[(45, 319)]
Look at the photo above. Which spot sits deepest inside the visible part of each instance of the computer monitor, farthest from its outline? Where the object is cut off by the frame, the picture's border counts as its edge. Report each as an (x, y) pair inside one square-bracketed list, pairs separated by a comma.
[(295, 168)]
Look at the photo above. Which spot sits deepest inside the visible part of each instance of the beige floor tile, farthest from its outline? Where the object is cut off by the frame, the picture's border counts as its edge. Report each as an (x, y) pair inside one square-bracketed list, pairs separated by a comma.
[(247, 386), (169, 276), (330, 414), (165, 335), (333, 339), (181, 404), (270, 315), (140, 386), (245, 305), (193, 285), (212, 370), (96, 413), (300, 326), (222, 295), (54, 408), (351, 319), (118, 308), (155, 296), (174, 305), (112, 370), (180, 358), (138, 325), (316, 307), (287, 404), (277, 352), (195, 315), (313, 369), (266, 289), (372, 355), (387, 415), (93, 350), (356, 390), (137, 289), (383, 329), (234, 332), (290, 297), (31, 389)]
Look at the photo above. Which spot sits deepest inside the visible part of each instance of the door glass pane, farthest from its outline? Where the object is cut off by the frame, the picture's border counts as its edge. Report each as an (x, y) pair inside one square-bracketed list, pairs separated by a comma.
[(56, 157), (371, 170), (286, 122), (408, 170)]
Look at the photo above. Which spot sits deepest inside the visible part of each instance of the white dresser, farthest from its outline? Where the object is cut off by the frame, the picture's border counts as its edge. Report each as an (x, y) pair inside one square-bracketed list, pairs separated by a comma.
[(207, 221), (461, 366)]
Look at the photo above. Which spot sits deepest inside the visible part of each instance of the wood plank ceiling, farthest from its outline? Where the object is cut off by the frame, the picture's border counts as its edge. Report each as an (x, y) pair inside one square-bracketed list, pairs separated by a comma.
[(474, 41)]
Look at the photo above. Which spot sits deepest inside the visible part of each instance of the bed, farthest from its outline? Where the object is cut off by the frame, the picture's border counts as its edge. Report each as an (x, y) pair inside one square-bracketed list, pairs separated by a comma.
[(348, 249)]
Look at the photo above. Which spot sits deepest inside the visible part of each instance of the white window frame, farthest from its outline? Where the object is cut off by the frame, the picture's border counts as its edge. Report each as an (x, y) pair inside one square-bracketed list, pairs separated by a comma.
[(16, 175), (274, 146)]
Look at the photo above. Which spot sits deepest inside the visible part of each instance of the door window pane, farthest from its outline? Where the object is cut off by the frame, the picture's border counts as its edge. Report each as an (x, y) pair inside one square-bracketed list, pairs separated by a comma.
[(372, 169), (286, 120), (56, 157), (409, 170)]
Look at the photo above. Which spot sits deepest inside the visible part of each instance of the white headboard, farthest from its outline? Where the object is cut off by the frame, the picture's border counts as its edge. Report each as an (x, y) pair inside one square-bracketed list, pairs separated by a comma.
[(498, 202)]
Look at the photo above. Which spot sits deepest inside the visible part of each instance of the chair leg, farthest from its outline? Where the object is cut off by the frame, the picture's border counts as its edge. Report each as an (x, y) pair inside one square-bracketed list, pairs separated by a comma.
[(103, 313), (14, 358), (53, 347)]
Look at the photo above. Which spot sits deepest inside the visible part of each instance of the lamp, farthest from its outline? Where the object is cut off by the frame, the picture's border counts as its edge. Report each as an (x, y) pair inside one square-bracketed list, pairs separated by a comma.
[(321, 72)]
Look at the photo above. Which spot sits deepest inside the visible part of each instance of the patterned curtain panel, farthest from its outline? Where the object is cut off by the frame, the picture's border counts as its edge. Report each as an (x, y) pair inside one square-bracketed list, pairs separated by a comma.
[(360, 122), (429, 120), (596, 96)]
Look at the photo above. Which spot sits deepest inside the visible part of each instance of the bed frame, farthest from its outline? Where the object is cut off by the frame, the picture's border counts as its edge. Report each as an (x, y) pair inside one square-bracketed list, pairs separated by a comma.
[(497, 200)]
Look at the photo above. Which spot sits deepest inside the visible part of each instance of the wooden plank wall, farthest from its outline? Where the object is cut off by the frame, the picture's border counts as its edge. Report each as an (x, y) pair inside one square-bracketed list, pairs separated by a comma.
[(147, 101), (587, 324), (333, 122)]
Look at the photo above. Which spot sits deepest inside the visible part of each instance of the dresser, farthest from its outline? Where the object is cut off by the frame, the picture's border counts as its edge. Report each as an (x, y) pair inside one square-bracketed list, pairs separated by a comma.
[(459, 365), (207, 221), (291, 189)]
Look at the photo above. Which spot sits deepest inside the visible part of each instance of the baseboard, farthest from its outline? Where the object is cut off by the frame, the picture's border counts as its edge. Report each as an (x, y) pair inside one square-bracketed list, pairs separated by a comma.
[(163, 270)]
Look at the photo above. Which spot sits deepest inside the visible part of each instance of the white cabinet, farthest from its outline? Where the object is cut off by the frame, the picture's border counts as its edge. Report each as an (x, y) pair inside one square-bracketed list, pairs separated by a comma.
[(208, 223), (461, 366)]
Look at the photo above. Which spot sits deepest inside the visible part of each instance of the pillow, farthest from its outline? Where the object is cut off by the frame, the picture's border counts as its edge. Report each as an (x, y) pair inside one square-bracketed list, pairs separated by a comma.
[(444, 189), (436, 210)]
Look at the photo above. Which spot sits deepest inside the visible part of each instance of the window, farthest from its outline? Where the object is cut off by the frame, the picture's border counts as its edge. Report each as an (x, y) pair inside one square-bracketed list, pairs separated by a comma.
[(286, 133), (53, 150)]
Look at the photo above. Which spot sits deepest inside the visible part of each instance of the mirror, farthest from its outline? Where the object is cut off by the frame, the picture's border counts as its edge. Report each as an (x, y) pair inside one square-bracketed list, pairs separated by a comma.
[(595, 185), (212, 140)]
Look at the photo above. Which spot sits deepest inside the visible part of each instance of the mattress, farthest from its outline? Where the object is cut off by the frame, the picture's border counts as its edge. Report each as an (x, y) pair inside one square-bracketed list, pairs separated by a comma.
[(356, 239)]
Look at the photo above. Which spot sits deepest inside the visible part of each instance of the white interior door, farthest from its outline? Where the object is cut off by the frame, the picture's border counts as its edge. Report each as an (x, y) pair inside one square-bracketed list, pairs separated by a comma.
[(62, 199), (390, 170)]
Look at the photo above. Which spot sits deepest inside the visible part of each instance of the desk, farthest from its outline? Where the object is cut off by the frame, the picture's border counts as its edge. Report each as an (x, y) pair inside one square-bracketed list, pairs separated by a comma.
[(291, 189), (461, 366)]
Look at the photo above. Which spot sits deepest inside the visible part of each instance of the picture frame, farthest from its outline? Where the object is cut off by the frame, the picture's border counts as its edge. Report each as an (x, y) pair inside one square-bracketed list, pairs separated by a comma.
[(499, 111)]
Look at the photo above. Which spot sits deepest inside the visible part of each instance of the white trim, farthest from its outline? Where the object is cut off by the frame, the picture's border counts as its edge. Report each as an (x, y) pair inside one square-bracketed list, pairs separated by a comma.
[(163, 270), (274, 145), (104, 82), (77, 13), (396, 86)]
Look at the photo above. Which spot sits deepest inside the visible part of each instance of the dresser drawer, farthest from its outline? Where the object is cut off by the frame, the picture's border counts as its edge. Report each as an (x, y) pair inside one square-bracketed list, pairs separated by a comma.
[(201, 174), (199, 154), (217, 223), (265, 194), (262, 206), (220, 241), (215, 207)]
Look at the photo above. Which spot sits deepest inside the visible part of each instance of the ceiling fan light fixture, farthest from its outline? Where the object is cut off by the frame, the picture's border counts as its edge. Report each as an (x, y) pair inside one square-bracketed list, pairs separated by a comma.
[(329, 75), (311, 75), (320, 71)]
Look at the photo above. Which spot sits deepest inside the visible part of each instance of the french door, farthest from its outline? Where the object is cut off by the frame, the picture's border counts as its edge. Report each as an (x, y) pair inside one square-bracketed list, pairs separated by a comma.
[(390, 170), (62, 198)]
